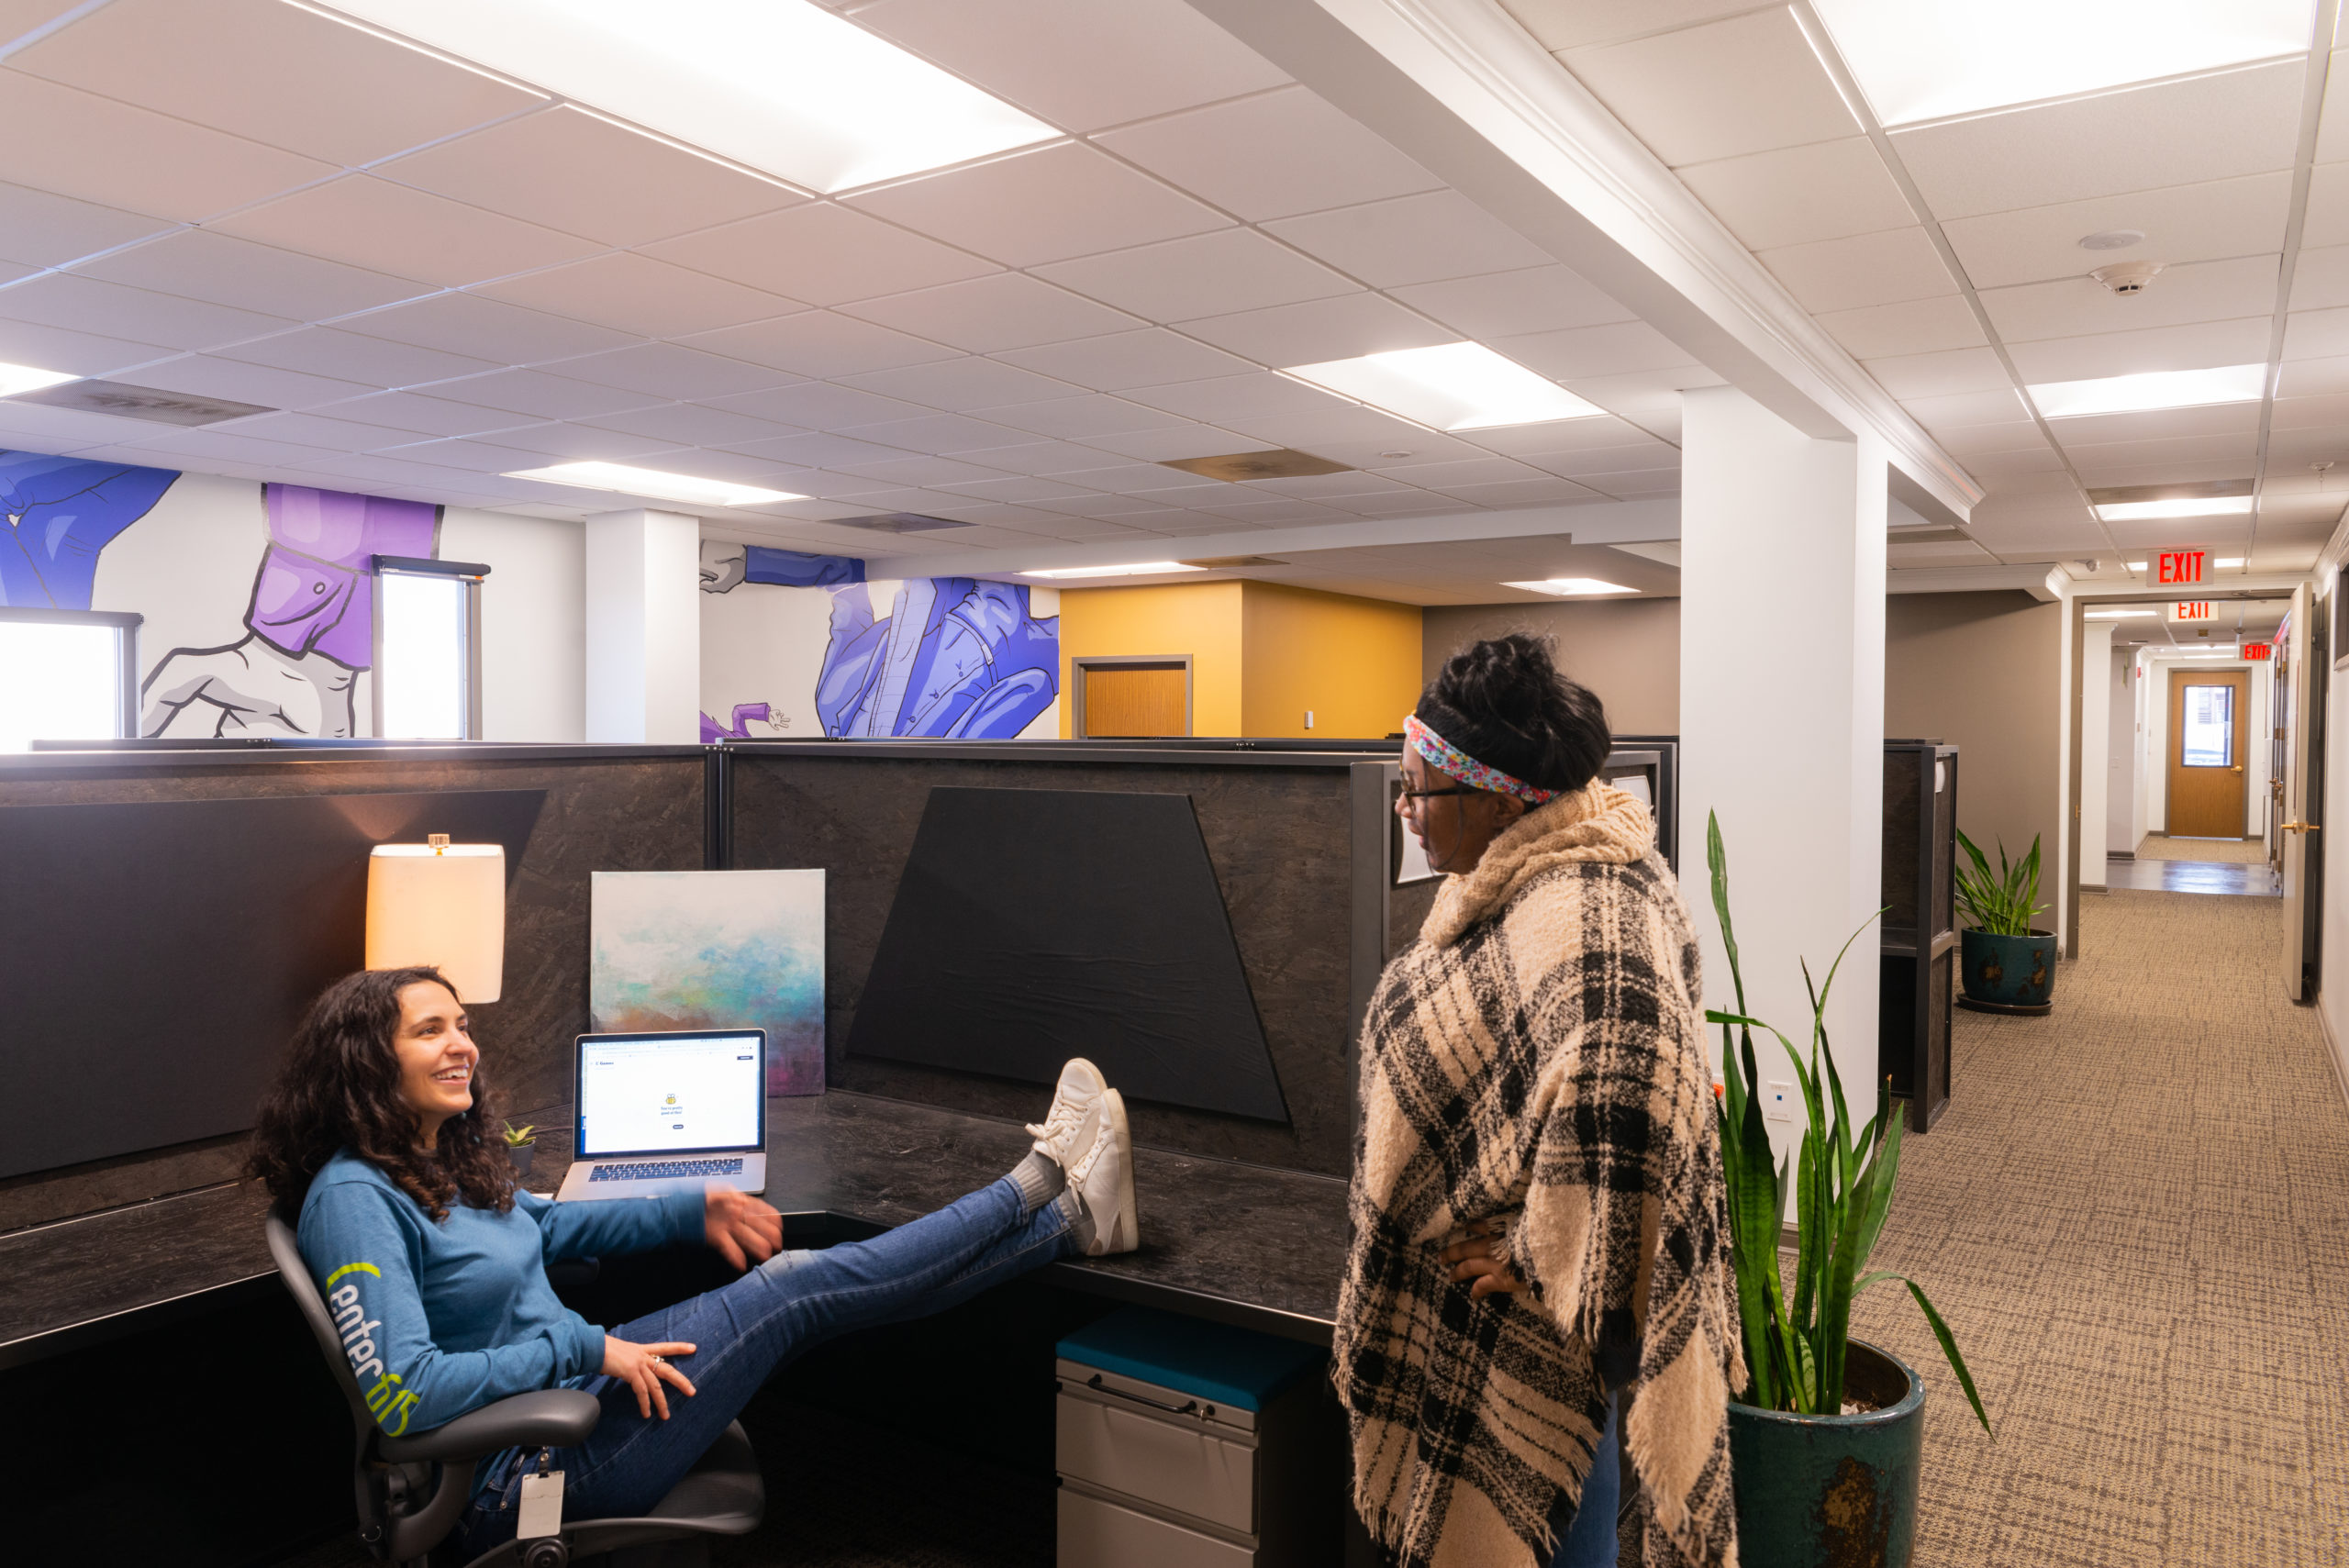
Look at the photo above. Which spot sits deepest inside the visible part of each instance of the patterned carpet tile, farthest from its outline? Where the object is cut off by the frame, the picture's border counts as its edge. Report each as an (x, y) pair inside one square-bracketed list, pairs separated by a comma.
[(2236, 852)]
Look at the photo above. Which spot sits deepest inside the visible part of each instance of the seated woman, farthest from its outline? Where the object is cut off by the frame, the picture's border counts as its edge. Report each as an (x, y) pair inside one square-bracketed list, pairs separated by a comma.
[(378, 1132)]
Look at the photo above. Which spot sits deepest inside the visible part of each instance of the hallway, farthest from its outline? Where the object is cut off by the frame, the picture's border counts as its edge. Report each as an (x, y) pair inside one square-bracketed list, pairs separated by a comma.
[(2132, 1218)]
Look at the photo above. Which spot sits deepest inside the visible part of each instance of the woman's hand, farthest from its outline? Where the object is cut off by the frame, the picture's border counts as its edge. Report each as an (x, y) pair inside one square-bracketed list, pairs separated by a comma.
[(743, 1229), (645, 1368), (1472, 1257)]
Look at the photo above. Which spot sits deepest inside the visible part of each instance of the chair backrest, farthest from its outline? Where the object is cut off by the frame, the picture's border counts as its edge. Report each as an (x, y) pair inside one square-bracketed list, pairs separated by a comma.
[(296, 1275)]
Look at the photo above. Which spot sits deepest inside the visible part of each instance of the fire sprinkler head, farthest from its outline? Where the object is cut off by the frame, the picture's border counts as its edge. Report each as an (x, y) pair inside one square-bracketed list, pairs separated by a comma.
[(2126, 278)]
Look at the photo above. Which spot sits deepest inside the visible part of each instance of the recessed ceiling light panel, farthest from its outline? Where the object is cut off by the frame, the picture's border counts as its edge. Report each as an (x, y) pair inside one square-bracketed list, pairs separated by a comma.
[(18, 379), (619, 479), (2150, 390), (1132, 568), (782, 85), (2119, 615), (2183, 507), (1572, 587), (1927, 60), (1453, 386)]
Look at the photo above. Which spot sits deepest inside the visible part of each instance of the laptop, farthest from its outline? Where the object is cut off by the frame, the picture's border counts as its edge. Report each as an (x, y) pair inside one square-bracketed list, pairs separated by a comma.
[(664, 1113)]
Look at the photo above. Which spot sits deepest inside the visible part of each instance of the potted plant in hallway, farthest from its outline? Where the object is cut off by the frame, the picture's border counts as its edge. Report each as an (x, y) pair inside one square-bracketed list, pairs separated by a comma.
[(1827, 1438), (2006, 965)]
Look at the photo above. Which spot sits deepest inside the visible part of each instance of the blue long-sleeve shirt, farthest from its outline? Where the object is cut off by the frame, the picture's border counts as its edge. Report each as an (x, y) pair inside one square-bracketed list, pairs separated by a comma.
[(439, 1319)]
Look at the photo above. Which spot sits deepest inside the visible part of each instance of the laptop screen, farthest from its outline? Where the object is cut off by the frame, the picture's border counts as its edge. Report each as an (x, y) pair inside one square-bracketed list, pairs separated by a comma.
[(646, 1094)]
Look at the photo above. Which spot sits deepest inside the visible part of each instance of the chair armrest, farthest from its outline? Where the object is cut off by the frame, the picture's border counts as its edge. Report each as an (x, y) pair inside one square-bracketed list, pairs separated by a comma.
[(549, 1418)]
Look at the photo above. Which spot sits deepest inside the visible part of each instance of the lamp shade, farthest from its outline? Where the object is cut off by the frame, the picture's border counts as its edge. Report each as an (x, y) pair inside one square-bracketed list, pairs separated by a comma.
[(442, 904)]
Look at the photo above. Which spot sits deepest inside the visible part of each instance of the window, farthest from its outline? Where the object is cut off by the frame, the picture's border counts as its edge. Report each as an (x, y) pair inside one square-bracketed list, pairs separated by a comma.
[(70, 675), (427, 649), (2209, 727)]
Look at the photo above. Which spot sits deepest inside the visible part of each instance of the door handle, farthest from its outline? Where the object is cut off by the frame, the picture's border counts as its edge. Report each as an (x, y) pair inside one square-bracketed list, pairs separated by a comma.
[(2300, 827), (2236, 769)]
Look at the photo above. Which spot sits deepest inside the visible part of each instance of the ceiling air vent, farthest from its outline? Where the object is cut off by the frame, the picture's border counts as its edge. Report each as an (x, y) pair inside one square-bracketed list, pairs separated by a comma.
[(898, 523), (1278, 464), (1215, 563), (140, 403)]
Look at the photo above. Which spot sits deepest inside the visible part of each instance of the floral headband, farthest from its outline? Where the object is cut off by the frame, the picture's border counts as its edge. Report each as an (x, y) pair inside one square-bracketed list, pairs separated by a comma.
[(1446, 758)]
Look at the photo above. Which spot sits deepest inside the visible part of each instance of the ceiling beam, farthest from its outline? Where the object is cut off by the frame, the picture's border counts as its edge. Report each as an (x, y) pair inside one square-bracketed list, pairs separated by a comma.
[(1461, 86)]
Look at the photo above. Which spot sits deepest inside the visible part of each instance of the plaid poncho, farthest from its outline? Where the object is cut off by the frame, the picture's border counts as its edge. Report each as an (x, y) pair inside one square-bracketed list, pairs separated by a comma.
[(1536, 1055)]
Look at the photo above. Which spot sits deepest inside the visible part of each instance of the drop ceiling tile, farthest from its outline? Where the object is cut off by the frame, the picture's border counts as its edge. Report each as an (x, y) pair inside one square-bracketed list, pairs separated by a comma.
[(420, 414), (2306, 413), (2210, 221), (820, 406), (1085, 418), (1885, 268), (923, 470), (1411, 240), (2315, 334), (960, 385), (324, 350), (279, 74), (2159, 424), (673, 370), (1793, 195), (368, 222), (1340, 327), (1048, 205), (480, 457), (2203, 129), (62, 350), (582, 443), (822, 253), (1584, 352), (1963, 408), (197, 264), (2195, 346), (1333, 486), (693, 425), (1719, 90), (2235, 451), (1003, 310), (1567, 26), (1543, 490), (94, 150), (37, 229), (210, 377), (1230, 397), (228, 445), (639, 295), (1080, 65), (1206, 274), (2320, 278), (1166, 485), (537, 393), (819, 343), (2328, 214), (1987, 466), (84, 304), (957, 435), (1169, 442), (2287, 448), (574, 171), (1120, 360), (1015, 488), (1040, 458), (2306, 378), (2071, 307), (816, 451), (1529, 299), (1325, 159), (1315, 428), (1929, 375), (331, 435), (470, 324), (1269, 510), (1911, 327)]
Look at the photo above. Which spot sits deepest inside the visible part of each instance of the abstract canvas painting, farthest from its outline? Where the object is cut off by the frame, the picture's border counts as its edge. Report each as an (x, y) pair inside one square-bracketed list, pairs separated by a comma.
[(692, 949)]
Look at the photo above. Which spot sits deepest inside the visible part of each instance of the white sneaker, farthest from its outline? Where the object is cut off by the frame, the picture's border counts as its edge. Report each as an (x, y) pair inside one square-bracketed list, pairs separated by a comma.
[(1102, 1176), (1066, 1128)]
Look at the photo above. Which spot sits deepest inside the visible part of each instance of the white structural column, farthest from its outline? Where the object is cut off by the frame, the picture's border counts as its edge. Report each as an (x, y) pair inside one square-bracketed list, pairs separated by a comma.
[(1782, 555), (644, 628), (2096, 749)]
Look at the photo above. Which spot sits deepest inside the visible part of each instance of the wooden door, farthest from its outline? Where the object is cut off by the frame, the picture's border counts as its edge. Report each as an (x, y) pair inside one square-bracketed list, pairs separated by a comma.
[(2208, 726), (1149, 701)]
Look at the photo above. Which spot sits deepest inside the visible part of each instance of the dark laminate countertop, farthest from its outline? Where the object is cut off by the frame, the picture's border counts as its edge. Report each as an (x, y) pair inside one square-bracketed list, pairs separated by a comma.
[(1245, 1244)]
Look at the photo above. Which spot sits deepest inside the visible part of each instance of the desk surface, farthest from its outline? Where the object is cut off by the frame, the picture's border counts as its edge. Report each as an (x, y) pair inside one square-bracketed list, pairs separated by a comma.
[(1243, 1244)]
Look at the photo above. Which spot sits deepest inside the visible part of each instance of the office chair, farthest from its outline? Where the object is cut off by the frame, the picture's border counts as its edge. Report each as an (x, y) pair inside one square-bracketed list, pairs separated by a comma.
[(411, 1489)]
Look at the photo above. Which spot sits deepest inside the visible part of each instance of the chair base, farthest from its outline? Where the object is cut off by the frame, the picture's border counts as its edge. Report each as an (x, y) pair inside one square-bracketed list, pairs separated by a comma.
[(721, 1494)]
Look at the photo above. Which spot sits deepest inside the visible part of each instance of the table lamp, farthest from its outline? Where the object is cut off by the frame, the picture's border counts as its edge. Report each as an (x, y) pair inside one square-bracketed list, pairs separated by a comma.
[(443, 905)]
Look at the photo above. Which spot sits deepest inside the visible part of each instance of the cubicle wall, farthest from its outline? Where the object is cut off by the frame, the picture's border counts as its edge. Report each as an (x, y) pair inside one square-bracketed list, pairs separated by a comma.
[(576, 809)]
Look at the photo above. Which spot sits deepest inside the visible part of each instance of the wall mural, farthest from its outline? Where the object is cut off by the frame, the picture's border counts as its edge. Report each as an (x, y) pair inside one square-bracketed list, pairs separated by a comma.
[(948, 658), (290, 663)]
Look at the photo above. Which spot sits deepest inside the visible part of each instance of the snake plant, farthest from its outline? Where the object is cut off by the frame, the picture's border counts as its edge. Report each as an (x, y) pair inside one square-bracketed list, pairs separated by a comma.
[(2001, 904), (1842, 1189)]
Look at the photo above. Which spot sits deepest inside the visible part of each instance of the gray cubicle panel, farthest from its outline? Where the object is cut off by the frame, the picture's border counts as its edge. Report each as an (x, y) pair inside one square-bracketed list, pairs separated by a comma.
[(596, 809)]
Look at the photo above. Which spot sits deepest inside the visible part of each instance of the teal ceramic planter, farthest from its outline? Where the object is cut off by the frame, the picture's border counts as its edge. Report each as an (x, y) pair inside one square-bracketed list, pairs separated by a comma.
[(1832, 1491), (2016, 973)]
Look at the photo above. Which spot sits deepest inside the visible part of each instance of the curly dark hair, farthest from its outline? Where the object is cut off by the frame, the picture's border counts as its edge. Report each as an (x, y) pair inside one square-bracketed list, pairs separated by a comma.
[(1504, 701), (339, 1088)]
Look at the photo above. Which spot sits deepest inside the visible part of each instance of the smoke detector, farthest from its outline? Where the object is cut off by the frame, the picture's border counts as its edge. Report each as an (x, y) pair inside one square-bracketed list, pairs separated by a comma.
[(2126, 278)]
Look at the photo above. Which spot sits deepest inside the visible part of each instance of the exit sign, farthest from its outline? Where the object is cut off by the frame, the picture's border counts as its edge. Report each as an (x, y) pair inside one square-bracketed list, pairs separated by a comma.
[(2193, 609), (2257, 650), (2181, 566)]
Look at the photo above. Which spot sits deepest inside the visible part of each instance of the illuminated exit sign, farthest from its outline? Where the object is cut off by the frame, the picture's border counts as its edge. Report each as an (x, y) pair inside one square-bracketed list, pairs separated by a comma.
[(2181, 566), (2258, 651), (2193, 609)]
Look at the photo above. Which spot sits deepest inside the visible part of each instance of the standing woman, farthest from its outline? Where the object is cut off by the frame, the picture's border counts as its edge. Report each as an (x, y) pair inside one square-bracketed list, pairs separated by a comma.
[(1539, 1220)]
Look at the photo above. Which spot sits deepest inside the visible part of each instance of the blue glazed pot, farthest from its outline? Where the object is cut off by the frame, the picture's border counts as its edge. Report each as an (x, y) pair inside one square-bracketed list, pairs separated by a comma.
[(1832, 1491), (2008, 972)]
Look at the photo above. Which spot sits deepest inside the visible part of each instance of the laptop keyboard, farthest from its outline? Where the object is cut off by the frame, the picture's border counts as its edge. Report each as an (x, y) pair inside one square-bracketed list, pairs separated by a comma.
[(653, 1170)]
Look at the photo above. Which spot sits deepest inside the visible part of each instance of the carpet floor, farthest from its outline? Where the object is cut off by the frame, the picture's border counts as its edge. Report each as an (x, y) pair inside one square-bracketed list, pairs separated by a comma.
[(2134, 1218), (2236, 852)]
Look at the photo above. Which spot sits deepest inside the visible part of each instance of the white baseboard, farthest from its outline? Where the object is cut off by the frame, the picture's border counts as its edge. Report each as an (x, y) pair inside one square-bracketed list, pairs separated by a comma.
[(2333, 1053)]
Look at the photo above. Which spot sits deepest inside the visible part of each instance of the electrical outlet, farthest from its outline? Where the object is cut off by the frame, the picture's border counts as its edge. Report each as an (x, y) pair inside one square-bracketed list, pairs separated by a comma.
[(1778, 1102)]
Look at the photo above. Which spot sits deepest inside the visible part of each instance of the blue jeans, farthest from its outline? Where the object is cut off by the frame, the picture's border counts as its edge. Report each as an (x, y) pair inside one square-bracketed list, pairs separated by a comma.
[(1589, 1541), (744, 1330)]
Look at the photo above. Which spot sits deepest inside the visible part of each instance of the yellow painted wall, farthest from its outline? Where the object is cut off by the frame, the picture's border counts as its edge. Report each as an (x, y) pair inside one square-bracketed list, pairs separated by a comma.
[(1202, 619), (1354, 663)]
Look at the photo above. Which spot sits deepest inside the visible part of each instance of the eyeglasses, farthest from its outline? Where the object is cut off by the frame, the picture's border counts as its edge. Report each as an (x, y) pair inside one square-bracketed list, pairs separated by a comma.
[(1423, 793)]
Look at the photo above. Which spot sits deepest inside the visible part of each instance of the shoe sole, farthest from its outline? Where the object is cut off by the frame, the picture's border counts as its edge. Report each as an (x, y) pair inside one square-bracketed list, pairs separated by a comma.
[(1126, 1234)]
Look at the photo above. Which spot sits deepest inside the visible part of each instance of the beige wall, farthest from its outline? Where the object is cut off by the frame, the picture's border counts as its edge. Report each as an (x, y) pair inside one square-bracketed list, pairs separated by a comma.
[(1979, 672), (1628, 651)]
